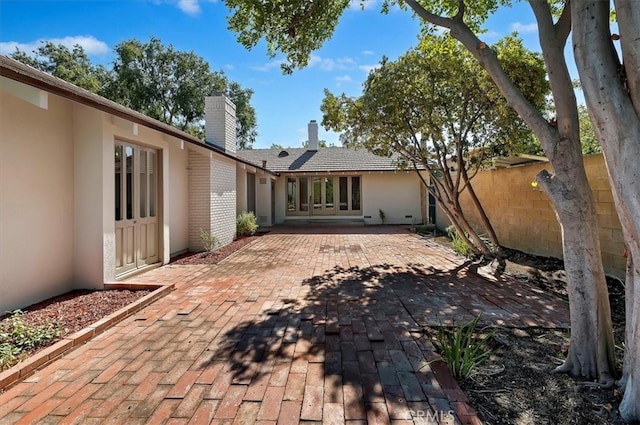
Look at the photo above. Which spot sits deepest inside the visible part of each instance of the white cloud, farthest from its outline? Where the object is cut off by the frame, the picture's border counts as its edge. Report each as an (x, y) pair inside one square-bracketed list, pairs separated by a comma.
[(524, 28), (190, 7), (367, 52), (343, 79), (90, 44), (268, 66), (329, 64), (368, 68), (230, 66), (362, 4)]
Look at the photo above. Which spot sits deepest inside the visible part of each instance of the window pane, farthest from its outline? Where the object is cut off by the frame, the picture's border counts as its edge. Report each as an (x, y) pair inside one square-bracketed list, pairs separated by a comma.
[(118, 182), (355, 193), (344, 194), (328, 194), (304, 194), (153, 183), (292, 194), (317, 193), (143, 184), (128, 155)]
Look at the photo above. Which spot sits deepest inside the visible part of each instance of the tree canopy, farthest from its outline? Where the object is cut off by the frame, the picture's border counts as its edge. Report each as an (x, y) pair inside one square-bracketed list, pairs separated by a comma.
[(437, 110), (151, 78)]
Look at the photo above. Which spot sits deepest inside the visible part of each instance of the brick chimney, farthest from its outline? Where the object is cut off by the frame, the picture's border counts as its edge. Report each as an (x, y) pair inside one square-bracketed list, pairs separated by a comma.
[(220, 122), (313, 136)]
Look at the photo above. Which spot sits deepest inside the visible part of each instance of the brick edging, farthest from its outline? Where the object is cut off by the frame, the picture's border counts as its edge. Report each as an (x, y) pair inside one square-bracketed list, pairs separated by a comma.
[(43, 357), (456, 397)]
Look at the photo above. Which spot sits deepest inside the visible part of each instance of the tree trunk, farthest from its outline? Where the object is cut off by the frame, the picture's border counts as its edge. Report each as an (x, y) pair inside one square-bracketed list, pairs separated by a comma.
[(612, 93), (483, 215), (591, 353), (591, 349)]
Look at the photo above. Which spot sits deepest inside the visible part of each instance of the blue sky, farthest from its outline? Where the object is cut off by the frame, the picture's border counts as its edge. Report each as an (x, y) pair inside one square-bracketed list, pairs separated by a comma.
[(284, 103)]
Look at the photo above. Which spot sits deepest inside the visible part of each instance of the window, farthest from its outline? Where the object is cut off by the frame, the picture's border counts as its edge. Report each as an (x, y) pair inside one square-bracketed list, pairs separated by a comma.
[(128, 155), (320, 195), (292, 194), (355, 193), (304, 194), (344, 193), (118, 182), (328, 194)]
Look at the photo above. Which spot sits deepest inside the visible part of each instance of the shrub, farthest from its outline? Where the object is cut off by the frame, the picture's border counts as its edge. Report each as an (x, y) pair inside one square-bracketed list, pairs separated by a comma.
[(209, 241), (426, 229), (246, 224), (18, 338), (462, 350)]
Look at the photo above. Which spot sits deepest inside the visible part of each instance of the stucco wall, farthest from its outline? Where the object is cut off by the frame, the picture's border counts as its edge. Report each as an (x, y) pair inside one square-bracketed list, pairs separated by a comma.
[(397, 194), (36, 215), (524, 219), (179, 197)]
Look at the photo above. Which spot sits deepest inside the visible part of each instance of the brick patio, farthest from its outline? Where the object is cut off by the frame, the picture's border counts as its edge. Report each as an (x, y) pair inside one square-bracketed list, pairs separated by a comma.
[(313, 326)]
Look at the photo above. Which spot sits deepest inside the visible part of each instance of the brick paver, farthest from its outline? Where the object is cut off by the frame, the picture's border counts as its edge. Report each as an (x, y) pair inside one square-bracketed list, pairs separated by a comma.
[(321, 324)]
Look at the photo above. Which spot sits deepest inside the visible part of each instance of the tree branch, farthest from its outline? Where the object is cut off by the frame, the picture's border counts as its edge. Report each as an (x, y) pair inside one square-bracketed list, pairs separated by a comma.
[(563, 26), (489, 61)]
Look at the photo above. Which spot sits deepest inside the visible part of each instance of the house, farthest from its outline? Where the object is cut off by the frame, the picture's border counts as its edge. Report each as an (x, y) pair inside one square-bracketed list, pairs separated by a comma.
[(91, 191), (335, 183)]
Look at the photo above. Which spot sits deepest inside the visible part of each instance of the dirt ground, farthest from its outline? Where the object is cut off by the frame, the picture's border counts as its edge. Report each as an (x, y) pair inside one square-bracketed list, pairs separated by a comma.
[(516, 385)]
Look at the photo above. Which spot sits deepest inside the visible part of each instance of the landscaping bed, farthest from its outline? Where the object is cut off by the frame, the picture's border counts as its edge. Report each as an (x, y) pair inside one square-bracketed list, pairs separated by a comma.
[(44, 323), (516, 385)]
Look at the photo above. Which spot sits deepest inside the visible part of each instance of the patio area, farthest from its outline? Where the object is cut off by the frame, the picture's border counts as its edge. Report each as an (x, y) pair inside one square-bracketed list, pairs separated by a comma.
[(320, 325)]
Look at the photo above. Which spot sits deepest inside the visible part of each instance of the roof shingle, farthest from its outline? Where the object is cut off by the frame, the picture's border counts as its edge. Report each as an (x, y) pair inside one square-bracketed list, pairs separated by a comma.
[(296, 160)]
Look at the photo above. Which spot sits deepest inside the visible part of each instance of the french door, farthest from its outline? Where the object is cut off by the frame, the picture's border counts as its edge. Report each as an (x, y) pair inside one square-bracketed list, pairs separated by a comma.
[(136, 207), (323, 196)]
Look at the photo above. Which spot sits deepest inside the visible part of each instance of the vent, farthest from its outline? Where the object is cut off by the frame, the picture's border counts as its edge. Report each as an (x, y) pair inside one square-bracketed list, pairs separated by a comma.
[(262, 219), (283, 154), (367, 216), (408, 216), (263, 180)]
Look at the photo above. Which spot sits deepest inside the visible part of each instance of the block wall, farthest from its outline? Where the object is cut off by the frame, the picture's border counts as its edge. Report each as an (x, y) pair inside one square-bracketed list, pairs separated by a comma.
[(523, 218)]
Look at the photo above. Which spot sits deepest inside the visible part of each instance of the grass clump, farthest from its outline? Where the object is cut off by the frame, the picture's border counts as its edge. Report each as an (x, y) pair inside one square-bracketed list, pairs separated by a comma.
[(457, 243), (462, 349), (209, 241), (18, 339), (246, 224)]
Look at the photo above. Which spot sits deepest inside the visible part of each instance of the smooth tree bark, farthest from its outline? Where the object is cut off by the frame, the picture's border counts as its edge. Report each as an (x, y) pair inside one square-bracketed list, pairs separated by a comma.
[(612, 94), (591, 352)]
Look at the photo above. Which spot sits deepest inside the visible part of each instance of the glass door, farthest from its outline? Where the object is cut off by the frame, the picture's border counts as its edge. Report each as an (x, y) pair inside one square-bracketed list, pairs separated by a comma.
[(323, 196)]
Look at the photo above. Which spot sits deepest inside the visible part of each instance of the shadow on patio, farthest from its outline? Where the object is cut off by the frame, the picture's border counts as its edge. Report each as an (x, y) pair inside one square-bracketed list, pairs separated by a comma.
[(354, 343)]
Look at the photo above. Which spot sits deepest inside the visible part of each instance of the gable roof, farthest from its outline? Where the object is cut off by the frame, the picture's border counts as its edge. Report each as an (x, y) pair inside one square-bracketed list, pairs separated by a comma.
[(301, 160), (17, 71)]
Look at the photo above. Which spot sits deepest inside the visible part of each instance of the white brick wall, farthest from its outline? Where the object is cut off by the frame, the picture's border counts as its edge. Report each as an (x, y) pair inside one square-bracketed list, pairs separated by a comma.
[(212, 198), (199, 198), (223, 199), (220, 122)]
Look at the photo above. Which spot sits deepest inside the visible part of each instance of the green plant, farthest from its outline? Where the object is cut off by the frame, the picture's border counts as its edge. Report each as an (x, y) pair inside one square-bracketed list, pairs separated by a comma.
[(383, 217), (462, 350), (19, 338), (426, 229), (457, 243), (209, 241), (246, 224)]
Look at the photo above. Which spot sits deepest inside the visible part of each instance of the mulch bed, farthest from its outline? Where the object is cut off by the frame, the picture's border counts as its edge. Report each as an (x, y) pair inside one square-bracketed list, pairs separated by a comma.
[(516, 385), (216, 256), (78, 309)]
